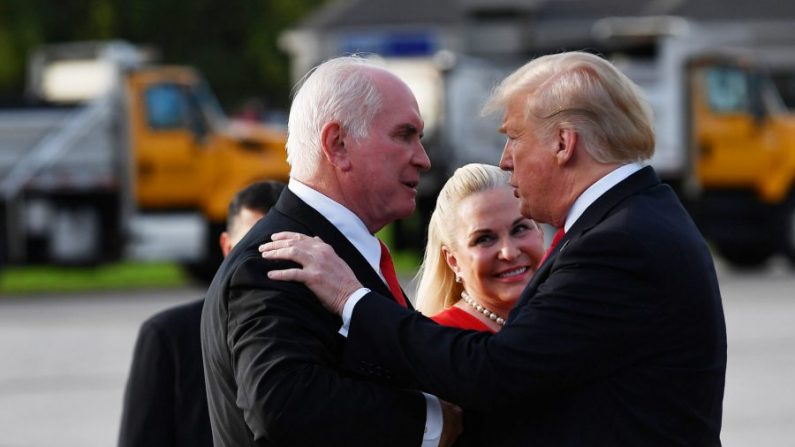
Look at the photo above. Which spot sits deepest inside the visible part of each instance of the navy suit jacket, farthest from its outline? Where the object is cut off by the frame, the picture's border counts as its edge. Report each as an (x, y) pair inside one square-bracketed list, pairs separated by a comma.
[(618, 340), (272, 354)]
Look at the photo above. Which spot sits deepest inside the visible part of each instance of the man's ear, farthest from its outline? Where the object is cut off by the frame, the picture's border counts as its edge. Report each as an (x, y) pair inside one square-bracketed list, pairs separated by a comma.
[(332, 142), (226, 243), (567, 144)]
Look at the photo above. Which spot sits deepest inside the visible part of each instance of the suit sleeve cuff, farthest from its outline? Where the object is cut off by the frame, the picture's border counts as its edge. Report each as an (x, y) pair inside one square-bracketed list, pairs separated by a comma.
[(347, 310), (433, 421)]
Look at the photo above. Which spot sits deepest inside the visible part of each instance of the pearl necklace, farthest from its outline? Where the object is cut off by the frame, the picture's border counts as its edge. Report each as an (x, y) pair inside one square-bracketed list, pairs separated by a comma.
[(482, 309)]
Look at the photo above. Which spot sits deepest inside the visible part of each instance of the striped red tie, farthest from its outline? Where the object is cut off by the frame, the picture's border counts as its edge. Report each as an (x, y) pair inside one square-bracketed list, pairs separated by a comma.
[(555, 239), (388, 270)]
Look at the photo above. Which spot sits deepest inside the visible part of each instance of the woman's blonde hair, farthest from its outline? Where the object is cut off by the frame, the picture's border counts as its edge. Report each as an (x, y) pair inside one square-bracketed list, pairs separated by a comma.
[(436, 285)]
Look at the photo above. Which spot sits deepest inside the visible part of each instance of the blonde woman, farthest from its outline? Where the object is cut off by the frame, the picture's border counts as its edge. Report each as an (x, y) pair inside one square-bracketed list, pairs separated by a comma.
[(481, 251)]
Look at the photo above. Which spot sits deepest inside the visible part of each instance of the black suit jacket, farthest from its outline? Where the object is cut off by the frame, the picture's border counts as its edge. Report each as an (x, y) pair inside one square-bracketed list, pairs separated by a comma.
[(165, 402), (272, 353), (619, 339)]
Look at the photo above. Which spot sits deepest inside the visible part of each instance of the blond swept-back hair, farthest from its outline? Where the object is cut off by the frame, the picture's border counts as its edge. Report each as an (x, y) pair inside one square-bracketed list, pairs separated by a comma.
[(581, 91), (341, 89), (436, 285)]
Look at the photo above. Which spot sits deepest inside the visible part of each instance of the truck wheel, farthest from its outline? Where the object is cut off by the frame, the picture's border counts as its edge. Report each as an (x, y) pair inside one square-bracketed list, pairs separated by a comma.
[(745, 256)]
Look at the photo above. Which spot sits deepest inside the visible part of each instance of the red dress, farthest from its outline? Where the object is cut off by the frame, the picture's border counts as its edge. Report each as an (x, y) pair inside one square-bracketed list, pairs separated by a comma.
[(457, 317)]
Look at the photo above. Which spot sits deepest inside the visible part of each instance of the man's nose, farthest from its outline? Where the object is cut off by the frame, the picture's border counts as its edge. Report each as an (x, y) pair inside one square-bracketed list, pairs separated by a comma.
[(421, 159), (506, 160)]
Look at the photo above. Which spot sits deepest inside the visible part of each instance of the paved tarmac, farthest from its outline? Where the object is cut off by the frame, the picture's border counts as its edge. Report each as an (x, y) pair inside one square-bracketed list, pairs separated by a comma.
[(64, 361)]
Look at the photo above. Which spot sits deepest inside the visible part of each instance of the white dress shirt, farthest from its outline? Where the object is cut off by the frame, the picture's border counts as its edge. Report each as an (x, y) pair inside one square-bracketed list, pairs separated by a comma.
[(601, 186), (360, 237)]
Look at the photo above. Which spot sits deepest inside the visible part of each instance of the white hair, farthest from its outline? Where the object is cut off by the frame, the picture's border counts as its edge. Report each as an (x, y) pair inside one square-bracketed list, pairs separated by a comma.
[(339, 90)]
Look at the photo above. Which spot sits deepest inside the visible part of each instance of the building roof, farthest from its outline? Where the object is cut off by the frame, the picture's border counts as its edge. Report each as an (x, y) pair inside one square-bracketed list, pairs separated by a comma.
[(355, 13)]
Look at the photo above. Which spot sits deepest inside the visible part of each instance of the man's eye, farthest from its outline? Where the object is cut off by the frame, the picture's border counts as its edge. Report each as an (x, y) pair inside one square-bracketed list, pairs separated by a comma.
[(406, 136)]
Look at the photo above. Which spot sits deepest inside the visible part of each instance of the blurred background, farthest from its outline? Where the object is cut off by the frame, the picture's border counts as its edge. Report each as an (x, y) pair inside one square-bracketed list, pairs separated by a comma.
[(126, 127)]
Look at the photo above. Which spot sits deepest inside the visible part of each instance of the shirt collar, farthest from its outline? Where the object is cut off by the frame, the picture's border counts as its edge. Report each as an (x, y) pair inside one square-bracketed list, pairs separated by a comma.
[(348, 223), (596, 190)]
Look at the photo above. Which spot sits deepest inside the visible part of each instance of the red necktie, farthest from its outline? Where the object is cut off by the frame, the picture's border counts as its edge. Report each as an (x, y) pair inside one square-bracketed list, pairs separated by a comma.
[(555, 239), (388, 270)]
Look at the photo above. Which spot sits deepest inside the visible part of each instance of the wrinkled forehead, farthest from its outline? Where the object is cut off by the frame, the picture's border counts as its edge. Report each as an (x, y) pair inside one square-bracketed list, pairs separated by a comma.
[(398, 103), (515, 114)]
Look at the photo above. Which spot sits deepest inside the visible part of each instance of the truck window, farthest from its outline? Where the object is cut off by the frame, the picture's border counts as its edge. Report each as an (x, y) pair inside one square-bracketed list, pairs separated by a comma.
[(208, 104), (198, 121), (727, 90), (166, 107), (173, 107), (785, 85)]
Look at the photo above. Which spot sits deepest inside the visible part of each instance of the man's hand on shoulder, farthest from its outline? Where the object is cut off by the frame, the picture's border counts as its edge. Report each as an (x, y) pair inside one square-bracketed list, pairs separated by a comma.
[(323, 272)]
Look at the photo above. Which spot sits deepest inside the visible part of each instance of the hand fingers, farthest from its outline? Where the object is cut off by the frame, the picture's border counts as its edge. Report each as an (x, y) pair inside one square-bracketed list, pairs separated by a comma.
[(301, 244), (275, 245), (286, 235), (289, 239), (286, 275), (288, 253)]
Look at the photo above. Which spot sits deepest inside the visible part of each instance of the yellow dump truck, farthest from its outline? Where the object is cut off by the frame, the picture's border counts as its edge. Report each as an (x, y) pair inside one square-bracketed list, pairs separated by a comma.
[(723, 94), (743, 125), (724, 115), (724, 104), (113, 158)]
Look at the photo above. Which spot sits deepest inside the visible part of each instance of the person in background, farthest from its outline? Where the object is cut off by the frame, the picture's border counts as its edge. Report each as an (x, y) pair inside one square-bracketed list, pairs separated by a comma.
[(165, 402), (480, 255), (481, 251)]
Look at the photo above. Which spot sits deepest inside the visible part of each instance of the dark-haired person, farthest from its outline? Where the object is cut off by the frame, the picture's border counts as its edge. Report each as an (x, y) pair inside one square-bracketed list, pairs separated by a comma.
[(165, 402)]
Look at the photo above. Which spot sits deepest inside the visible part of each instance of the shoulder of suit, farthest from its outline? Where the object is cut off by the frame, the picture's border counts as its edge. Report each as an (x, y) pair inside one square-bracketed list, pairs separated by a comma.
[(173, 317)]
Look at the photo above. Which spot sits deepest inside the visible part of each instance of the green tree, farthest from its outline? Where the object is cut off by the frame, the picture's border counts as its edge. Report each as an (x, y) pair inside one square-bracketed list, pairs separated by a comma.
[(20, 29), (233, 43)]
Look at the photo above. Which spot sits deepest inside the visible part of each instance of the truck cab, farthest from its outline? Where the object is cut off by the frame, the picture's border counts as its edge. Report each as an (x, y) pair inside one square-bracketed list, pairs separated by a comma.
[(186, 153), (743, 143), (117, 150)]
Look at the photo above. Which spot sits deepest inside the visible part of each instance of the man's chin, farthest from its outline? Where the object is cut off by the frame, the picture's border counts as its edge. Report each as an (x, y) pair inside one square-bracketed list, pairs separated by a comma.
[(408, 211), (526, 212), (397, 213)]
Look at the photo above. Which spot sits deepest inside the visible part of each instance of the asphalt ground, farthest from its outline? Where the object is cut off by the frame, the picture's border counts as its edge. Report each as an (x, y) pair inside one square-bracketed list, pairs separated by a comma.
[(64, 360)]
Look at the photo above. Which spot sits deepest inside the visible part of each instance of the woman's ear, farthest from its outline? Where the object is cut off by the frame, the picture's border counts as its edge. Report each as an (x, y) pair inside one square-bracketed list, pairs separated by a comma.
[(450, 258), (332, 142)]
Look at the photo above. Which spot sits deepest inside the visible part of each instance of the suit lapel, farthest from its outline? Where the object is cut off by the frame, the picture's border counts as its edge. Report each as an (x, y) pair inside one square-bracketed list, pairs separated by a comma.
[(635, 183), (639, 181), (316, 225)]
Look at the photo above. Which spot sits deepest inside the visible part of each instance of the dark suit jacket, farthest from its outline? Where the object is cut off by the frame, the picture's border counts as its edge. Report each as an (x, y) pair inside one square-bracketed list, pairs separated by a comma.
[(619, 339), (165, 403), (272, 353)]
